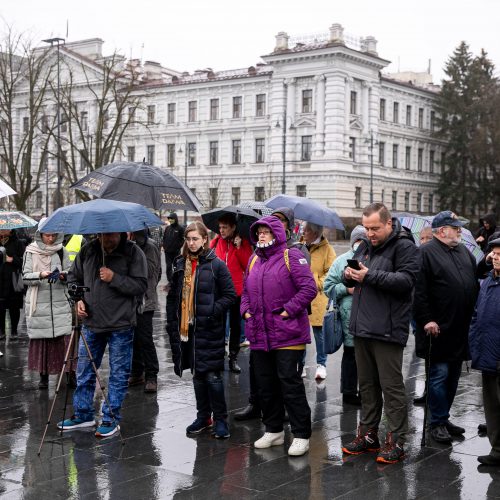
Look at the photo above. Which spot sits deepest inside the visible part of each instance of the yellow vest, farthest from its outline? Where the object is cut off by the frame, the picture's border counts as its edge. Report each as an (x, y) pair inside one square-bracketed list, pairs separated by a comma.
[(74, 245)]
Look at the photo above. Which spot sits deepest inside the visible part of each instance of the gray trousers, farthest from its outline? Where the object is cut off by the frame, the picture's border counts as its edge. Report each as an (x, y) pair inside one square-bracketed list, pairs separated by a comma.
[(380, 373), (491, 400)]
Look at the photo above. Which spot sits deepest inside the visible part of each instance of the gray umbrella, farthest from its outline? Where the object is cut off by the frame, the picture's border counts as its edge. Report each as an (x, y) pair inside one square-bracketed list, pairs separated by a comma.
[(140, 183)]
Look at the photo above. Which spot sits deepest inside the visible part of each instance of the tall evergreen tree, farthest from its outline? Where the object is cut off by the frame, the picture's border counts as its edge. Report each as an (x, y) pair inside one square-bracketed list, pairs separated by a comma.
[(469, 123)]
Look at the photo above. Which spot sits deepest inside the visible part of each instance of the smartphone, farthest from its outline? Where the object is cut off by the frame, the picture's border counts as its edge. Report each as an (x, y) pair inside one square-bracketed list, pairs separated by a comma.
[(353, 264)]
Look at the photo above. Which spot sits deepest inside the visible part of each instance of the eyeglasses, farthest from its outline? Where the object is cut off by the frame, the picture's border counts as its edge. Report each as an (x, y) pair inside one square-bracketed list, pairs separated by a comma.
[(263, 231)]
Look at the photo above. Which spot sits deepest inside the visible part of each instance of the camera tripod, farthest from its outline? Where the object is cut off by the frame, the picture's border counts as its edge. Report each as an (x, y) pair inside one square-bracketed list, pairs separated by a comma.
[(69, 356)]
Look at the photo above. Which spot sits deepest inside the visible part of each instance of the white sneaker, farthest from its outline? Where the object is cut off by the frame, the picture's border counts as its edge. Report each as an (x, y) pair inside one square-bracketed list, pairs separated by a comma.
[(304, 372), (320, 372), (298, 447), (270, 439)]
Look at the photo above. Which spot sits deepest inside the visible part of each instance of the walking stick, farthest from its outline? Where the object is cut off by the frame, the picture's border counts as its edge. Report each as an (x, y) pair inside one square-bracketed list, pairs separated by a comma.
[(427, 376)]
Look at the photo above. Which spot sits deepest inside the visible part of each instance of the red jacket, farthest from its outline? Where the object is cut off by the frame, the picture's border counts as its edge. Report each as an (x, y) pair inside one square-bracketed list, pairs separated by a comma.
[(236, 259)]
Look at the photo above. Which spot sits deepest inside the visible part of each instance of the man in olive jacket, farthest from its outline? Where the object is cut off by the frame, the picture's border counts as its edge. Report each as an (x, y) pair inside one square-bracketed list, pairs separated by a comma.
[(115, 271), (445, 296), (380, 319)]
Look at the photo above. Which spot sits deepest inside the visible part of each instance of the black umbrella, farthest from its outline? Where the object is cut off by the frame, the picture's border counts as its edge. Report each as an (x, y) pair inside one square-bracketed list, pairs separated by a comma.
[(140, 183), (245, 217)]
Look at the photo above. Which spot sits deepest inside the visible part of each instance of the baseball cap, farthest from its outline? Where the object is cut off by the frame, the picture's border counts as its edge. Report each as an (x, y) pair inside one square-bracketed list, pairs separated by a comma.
[(447, 218)]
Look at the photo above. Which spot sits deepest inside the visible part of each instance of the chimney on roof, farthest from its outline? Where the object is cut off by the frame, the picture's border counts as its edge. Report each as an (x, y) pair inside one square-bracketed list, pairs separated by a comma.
[(336, 33), (281, 41), (369, 44)]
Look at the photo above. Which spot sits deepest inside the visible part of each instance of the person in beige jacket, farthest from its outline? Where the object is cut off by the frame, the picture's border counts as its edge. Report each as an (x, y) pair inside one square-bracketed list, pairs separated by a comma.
[(322, 257)]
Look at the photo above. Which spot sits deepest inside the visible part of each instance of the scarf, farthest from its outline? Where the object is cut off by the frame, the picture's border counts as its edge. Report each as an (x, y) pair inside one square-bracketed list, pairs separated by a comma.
[(187, 304), (42, 260)]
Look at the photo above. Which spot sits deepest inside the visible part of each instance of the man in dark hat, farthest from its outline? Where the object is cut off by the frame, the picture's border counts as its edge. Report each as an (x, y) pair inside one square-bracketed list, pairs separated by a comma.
[(445, 295), (484, 342)]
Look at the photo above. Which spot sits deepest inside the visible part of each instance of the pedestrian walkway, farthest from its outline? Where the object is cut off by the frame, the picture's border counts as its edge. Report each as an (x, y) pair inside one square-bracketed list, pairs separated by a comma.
[(158, 461)]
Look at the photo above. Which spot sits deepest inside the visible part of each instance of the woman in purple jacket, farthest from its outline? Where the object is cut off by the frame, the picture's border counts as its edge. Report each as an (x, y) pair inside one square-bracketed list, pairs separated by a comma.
[(278, 287)]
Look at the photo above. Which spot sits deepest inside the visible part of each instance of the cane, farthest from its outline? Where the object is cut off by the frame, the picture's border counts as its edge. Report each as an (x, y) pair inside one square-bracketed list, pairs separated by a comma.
[(427, 376)]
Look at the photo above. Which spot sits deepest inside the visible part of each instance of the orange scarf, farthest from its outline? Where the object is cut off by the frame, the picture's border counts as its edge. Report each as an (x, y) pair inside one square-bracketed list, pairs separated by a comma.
[(187, 305)]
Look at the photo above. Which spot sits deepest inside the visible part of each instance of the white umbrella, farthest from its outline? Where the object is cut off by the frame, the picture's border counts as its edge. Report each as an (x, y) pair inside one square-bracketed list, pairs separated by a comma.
[(5, 189)]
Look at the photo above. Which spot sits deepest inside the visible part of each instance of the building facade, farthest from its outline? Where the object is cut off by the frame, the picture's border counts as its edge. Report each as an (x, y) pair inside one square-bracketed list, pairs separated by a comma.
[(316, 118)]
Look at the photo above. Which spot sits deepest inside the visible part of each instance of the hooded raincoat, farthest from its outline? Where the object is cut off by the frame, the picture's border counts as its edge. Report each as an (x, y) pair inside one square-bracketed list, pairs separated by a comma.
[(271, 288)]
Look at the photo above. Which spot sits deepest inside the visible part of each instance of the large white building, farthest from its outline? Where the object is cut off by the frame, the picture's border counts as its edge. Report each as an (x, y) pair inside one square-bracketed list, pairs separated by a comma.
[(317, 117)]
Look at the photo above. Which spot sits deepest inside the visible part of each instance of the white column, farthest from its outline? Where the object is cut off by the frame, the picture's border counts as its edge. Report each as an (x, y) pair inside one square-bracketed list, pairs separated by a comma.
[(319, 146), (347, 103), (290, 112), (334, 114)]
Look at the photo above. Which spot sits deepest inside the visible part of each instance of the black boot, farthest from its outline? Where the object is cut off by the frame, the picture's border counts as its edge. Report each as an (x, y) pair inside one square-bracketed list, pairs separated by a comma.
[(44, 381), (233, 365), (248, 413)]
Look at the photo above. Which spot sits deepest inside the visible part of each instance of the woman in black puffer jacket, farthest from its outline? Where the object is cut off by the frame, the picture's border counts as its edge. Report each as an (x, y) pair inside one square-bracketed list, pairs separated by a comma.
[(11, 261), (200, 294)]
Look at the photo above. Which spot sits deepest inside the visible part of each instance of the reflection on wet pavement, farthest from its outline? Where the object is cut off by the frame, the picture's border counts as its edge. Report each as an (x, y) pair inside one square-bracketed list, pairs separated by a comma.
[(159, 461)]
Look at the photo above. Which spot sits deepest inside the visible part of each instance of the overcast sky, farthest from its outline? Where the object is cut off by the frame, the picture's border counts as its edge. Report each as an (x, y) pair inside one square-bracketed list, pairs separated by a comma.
[(186, 35)]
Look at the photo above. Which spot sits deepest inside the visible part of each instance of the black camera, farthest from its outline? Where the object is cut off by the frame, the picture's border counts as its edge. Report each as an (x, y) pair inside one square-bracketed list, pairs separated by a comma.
[(76, 291)]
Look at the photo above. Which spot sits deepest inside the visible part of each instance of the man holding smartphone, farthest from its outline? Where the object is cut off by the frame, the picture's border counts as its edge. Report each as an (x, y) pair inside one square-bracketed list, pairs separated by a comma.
[(380, 318)]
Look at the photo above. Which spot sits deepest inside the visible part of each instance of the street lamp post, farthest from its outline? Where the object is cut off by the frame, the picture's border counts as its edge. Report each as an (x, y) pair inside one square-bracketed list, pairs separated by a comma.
[(58, 41), (185, 171)]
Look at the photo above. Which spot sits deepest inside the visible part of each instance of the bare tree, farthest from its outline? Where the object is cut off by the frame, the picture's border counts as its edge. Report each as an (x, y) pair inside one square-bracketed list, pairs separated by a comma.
[(24, 89), (105, 99), (211, 196)]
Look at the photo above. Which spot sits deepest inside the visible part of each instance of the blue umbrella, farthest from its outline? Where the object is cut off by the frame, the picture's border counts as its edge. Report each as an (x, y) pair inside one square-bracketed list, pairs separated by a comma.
[(308, 210), (100, 216)]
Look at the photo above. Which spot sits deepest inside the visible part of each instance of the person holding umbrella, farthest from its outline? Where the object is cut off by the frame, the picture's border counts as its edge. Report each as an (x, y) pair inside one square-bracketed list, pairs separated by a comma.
[(235, 251), (11, 253), (48, 313), (115, 271), (201, 293)]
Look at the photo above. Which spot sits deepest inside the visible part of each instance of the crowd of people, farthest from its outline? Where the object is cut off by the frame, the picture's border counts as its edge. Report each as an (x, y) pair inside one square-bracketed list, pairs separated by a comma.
[(274, 289)]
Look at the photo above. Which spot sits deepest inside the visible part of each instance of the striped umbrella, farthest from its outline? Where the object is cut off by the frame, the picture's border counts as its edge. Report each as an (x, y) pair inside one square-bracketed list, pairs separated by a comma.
[(415, 223)]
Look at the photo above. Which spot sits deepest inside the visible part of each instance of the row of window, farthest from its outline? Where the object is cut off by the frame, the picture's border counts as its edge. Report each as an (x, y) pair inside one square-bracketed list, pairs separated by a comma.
[(417, 207), (409, 120), (214, 108), (213, 152), (395, 156)]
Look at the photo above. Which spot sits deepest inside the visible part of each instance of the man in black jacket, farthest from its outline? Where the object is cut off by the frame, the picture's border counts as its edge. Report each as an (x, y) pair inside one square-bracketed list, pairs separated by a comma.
[(115, 271), (445, 296), (173, 239), (380, 319)]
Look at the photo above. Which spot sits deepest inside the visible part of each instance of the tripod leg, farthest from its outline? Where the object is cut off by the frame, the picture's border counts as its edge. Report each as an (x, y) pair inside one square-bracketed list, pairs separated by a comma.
[(91, 358), (66, 357)]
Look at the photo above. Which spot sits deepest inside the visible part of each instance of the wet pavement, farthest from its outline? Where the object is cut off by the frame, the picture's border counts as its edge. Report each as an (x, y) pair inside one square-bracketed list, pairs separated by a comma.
[(156, 460)]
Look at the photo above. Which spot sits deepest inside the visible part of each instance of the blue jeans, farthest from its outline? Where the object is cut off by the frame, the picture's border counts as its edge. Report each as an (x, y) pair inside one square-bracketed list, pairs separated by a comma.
[(209, 392), (319, 340), (120, 358), (443, 383)]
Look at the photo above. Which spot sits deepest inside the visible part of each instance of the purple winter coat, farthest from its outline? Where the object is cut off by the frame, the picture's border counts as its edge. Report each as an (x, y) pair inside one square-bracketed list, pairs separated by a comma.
[(269, 288)]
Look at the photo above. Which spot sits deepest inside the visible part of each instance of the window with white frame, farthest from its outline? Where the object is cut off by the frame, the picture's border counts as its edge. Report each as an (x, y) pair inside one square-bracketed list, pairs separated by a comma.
[(354, 102), (357, 197), (214, 152), (214, 109), (237, 106), (151, 154), (236, 152), (352, 148), (307, 96), (301, 190), (431, 161), (191, 154), (420, 117), (171, 113), (407, 201), (151, 114), (420, 159), (171, 155), (260, 104), (306, 148), (192, 111), (395, 112), (260, 194), (381, 153), (395, 153), (382, 109), (235, 195), (260, 146), (408, 115), (130, 153), (408, 157), (394, 200)]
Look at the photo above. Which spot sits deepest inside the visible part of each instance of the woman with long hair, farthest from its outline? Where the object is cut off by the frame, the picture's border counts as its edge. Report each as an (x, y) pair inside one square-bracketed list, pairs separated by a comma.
[(201, 292), (48, 313)]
